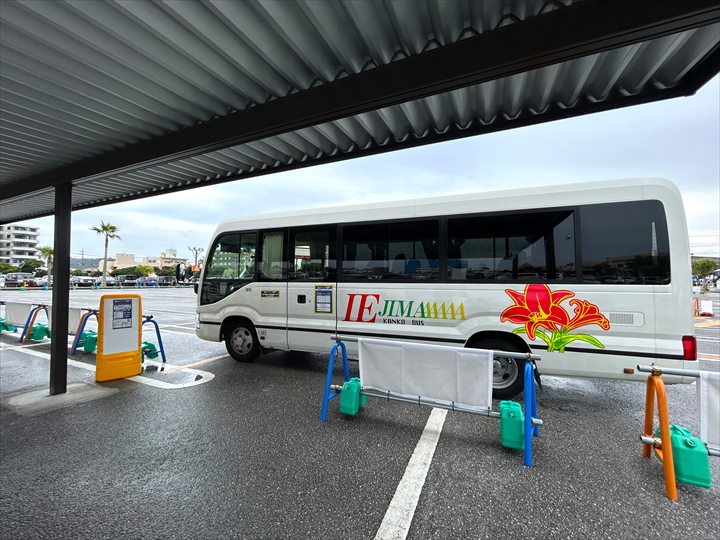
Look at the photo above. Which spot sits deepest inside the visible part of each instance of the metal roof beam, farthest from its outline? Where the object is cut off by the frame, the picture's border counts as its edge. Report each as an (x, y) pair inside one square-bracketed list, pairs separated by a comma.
[(558, 36)]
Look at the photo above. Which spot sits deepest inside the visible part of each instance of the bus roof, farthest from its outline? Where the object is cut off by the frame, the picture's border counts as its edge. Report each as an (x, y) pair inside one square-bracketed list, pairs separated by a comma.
[(467, 203)]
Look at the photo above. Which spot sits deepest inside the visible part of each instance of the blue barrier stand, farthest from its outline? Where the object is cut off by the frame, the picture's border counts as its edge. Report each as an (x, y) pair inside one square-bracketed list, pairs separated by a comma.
[(331, 364), (31, 315), (81, 328), (149, 318), (530, 411)]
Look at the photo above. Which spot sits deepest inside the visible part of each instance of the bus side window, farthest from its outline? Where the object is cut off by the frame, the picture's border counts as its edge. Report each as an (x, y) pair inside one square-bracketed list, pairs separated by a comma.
[(272, 265), (400, 250), (313, 254), (625, 243), (525, 247)]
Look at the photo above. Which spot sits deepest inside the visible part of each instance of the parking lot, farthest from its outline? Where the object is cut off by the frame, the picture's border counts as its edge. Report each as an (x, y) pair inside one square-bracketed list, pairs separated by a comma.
[(227, 449)]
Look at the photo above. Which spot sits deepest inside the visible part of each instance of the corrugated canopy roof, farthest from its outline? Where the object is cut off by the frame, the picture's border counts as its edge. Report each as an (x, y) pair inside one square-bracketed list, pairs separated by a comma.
[(135, 98)]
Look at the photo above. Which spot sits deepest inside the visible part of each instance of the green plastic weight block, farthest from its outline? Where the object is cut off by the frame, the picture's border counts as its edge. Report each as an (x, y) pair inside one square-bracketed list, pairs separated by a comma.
[(88, 340), (690, 457), (5, 327), (149, 350), (38, 332), (512, 425), (350, 397)]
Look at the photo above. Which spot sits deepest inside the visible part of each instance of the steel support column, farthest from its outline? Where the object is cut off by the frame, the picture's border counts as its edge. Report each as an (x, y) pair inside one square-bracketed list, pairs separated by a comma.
[(60, 290)]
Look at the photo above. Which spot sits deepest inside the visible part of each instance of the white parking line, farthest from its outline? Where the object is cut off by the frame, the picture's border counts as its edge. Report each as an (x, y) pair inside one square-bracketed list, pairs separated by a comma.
[(399, 514), (10, 347), (164, 329), (204, 375)]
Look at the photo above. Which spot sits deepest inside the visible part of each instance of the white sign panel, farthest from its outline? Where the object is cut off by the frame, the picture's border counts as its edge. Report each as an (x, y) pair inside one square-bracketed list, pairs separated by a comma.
[(120, 325)]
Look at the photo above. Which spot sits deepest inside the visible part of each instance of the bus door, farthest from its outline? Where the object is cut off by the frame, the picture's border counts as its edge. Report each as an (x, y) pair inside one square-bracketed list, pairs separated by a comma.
[(312, 294), (268, 294)]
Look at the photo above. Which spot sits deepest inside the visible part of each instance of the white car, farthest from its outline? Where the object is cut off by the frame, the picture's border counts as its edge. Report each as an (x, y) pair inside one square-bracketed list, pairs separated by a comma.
[(82, 281)]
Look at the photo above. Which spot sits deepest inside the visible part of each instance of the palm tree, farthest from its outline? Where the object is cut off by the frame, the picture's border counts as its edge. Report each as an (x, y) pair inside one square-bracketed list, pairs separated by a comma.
[(110, 231), (46, 252)]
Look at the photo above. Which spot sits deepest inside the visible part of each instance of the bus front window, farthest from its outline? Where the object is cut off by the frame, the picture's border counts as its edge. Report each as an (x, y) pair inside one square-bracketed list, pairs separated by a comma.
[(230, 265)]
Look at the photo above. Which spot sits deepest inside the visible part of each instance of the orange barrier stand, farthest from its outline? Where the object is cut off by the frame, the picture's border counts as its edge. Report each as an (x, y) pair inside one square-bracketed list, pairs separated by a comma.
[(29, 325), (656, 386)]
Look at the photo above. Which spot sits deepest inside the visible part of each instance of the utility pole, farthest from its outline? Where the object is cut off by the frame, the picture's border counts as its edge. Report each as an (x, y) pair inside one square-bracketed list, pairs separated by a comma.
[(196, 251)]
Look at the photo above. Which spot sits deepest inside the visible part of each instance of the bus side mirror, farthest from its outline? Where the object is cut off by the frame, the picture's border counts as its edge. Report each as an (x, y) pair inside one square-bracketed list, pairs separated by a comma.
[(180, 272), (195, 287)]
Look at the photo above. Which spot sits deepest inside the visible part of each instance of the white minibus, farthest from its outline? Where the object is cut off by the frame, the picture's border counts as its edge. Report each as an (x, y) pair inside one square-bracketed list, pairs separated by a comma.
[(594, 277)]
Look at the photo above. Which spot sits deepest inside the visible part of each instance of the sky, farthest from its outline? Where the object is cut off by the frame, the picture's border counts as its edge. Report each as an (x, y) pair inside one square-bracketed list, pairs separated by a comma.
[(677, 139)]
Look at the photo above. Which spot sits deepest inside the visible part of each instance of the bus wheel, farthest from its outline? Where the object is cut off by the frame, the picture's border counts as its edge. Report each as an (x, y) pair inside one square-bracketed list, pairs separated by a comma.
[(507, 372), (241, 341)]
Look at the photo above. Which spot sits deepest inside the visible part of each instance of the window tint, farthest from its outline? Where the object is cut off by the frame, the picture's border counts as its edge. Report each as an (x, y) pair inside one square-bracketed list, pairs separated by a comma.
[(272, 265), (313, 254), (391, 251), (625, 243), (534, 246)]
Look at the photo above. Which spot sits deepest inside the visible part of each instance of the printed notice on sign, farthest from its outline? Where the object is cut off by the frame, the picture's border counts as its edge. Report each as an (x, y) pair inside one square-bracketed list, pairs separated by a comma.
[(122, 313), (323, 299)]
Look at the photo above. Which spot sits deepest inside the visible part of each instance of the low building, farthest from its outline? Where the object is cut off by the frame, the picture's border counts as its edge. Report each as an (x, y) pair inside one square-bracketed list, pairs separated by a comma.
[(167, 259)]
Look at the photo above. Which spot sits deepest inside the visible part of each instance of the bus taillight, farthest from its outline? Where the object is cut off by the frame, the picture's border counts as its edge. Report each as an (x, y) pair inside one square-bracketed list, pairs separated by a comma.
[(689, 348)]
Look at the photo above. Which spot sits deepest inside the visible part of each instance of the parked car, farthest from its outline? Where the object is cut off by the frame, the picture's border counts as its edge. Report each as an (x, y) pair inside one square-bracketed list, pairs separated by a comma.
[(82, 281), (127, 280), (110, 281), (166, 281), (147, 281), (20, 279)]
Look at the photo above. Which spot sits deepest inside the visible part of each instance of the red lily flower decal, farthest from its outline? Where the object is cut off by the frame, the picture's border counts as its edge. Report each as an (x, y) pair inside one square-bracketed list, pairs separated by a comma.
[(538, 306), (539, 309), (586, 313)]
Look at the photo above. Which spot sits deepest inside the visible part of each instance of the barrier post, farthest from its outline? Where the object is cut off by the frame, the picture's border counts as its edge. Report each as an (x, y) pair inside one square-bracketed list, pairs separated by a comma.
[(31, 321), (530, 411), (81, 328), (149, 318), (656, 386), (328, 382)]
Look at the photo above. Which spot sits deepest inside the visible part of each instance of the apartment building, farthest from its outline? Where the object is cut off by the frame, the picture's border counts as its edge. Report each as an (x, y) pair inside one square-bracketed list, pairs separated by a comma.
[(18, 243)]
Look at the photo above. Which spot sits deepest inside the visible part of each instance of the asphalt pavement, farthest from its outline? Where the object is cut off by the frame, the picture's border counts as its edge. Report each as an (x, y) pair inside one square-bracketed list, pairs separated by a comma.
[(223, 449)]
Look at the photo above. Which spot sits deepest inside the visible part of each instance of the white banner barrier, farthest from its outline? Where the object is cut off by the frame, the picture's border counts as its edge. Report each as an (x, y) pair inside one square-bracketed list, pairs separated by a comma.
[(708, 393), (448, 375), (17, 313)]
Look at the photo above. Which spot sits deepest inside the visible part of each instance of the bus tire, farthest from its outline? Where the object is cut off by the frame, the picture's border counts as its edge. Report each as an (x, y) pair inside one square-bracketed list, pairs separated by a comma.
[(241, 341), (507, 372)]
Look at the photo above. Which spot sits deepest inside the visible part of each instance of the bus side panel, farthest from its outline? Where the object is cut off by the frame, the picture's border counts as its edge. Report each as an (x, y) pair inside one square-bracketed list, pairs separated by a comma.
[(425, 313), (312, 313), (264, 304), (452, 314)]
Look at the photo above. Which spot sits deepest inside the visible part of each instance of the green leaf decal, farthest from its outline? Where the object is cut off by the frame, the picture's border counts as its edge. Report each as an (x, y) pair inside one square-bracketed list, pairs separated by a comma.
[(562, 342)]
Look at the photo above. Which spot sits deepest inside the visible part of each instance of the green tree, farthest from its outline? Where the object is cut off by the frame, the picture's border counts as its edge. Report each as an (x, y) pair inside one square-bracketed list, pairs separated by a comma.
[(6, 268), (46, 252), (109, 231), (144, 269), (31, 265), (703, 267)]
